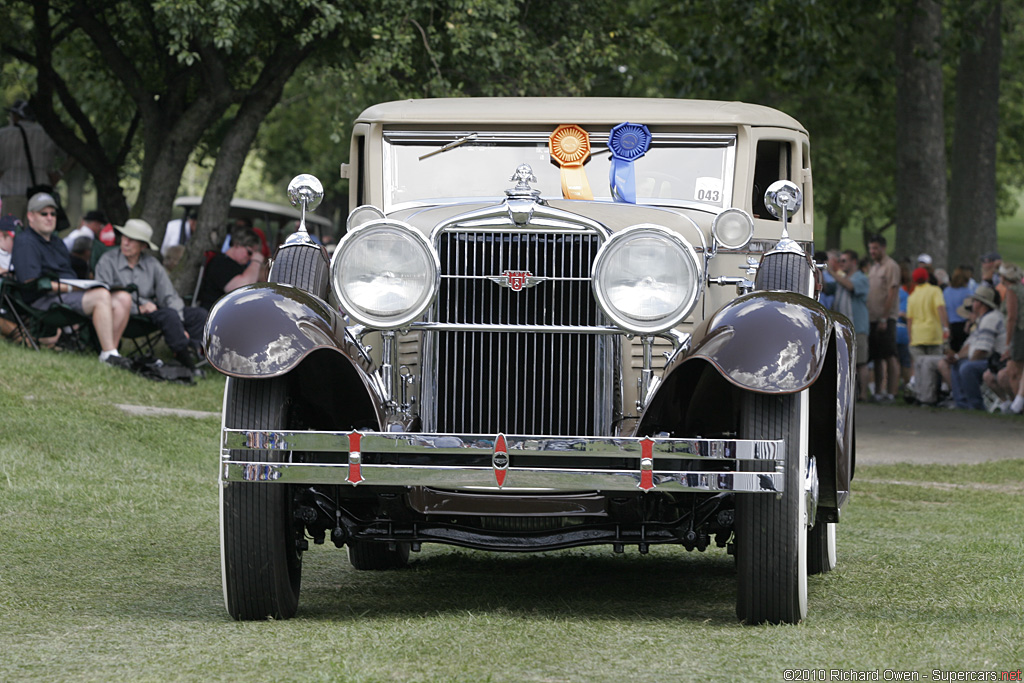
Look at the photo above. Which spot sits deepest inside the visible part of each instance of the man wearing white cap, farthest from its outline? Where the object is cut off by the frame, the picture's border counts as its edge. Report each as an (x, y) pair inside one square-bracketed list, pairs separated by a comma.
[(925, 261), (42, 258), (155, 296)]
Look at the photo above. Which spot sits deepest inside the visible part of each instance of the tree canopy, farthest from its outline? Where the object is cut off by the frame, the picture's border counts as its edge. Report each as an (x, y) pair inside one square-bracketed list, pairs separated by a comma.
[(137, 87)]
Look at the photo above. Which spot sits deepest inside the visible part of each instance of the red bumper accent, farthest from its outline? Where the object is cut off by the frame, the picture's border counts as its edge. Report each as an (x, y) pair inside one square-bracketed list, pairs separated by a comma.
[(500, 460), (646, 465), (355, 459)]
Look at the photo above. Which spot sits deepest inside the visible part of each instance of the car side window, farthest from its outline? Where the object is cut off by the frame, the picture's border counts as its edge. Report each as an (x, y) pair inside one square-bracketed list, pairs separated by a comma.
[(773, 163)]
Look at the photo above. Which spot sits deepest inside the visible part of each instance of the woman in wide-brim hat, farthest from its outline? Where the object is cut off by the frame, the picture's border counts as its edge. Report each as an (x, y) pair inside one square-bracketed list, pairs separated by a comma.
[(139, 230)]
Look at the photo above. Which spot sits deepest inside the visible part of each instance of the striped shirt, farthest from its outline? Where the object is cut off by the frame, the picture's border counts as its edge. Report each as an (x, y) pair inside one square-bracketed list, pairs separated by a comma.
[(989, 335)]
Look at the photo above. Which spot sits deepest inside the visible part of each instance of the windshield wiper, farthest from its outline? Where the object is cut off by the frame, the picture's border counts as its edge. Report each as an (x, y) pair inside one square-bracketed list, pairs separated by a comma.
[(451, 145)]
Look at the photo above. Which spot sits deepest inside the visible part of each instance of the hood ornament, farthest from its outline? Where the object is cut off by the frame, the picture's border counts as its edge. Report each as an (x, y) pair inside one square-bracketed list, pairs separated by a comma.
[(523, 177)]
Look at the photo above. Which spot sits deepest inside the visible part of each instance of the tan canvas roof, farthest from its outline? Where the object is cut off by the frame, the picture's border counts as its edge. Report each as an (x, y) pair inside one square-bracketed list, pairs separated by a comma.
[(593, 110)]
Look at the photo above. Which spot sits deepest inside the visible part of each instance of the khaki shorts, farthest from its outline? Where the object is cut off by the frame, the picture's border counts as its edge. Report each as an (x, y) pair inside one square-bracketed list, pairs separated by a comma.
[(72, 300)]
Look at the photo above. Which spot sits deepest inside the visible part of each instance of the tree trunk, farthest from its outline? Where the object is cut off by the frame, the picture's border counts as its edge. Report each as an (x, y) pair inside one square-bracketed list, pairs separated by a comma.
[(213, 212), (258, 102), (921, 216), (972, 207), (169, 141), (836, 220)]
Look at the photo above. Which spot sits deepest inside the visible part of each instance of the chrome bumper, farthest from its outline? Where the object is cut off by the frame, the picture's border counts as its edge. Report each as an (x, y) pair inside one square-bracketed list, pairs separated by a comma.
[(565, 473)]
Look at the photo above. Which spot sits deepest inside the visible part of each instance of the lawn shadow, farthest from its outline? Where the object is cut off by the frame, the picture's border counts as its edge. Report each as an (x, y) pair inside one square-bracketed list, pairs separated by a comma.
[(669, 583)]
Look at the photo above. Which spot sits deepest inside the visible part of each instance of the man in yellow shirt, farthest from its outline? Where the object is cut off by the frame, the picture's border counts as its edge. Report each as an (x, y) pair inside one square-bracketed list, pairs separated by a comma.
[(927, 322)]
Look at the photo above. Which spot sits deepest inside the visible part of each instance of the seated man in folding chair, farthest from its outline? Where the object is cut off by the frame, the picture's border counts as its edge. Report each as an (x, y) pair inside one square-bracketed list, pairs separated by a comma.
[(39, 255), (155, 296)]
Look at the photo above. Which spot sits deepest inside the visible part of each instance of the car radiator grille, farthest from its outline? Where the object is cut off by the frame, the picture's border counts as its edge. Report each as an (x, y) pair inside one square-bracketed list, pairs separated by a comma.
[(517, 381)]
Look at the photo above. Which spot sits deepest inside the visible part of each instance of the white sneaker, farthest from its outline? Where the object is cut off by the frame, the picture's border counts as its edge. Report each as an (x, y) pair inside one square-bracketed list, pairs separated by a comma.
[(1004, 407)]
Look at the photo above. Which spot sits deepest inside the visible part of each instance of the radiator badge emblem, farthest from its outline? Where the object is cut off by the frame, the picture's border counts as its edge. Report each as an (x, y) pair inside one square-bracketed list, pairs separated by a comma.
[(517, 280), (500, 460)]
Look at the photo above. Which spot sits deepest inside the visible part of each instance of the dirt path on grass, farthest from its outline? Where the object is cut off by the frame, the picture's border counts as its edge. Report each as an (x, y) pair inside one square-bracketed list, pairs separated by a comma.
[(912, 434)]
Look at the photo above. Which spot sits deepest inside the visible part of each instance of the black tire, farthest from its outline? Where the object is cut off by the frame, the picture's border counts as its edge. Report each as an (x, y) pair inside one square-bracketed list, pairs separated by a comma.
[(821, 548), (367, 555), (771, 536), (791, 272), (302, 266), (261, 562), (784, 271)]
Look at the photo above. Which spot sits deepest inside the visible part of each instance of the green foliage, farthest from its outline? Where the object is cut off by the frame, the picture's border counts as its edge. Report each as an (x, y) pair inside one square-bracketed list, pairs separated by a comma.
[(421, 48), (830, 64)]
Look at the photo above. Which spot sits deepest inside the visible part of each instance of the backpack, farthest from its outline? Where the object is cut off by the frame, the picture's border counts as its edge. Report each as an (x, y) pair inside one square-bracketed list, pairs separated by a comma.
[(157, 370)]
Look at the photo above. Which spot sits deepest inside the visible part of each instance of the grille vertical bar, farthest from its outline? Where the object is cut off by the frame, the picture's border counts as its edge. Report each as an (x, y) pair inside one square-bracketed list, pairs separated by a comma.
[(517, 381)]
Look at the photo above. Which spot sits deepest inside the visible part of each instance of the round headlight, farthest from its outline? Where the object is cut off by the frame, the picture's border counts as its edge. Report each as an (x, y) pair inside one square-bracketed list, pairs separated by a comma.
[(385, 274), (733, 228), (646, 278)]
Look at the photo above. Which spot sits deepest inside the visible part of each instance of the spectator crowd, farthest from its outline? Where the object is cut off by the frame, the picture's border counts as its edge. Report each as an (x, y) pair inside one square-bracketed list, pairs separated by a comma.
[(939, 339), (109, 274)]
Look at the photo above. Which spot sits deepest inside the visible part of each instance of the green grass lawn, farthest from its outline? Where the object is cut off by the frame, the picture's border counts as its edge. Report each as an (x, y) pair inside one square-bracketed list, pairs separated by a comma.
[(109, 571), (1011, 237)]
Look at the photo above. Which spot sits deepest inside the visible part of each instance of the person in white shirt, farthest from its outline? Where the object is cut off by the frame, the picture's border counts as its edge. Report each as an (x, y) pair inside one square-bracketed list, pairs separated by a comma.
[(92, 224), (178, 231)]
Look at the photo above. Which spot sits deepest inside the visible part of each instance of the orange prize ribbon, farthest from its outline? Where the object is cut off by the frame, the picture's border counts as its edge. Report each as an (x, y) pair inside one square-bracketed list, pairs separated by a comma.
[(570, 146)]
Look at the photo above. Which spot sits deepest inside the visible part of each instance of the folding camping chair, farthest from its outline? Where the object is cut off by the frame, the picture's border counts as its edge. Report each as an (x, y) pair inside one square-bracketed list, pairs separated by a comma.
[(207, 257), (142, 335), (32, 324), (13, 325)]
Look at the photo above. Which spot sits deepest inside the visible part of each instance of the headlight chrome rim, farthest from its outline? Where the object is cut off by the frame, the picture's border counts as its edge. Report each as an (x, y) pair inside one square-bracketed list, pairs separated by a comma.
[(421, 250), (718, 228), (639, 324), (361, 215)]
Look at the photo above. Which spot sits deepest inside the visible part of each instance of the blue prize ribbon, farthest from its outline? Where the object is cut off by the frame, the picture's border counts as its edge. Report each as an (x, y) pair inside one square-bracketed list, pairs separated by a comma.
[(627, 142)]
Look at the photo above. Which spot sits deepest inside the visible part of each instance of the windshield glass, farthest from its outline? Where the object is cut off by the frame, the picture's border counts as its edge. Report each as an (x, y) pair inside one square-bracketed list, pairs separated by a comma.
[(678, 168)]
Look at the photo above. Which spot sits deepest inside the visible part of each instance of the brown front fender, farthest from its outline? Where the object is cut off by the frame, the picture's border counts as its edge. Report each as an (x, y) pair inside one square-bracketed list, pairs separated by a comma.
[(768, 342), (268, 329)]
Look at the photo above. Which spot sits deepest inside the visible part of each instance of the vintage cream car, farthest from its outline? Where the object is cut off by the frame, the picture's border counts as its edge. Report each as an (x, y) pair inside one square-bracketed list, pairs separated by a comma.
[(551, 323)]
